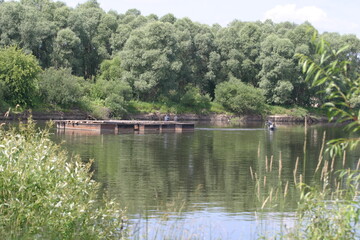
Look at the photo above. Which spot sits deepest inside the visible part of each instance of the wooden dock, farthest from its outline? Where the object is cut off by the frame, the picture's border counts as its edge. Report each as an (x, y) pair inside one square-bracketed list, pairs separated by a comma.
[(124, 126)]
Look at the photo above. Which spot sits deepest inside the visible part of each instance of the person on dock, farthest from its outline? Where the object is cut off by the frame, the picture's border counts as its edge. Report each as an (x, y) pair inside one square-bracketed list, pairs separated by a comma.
[(167, 118), (175, 118)]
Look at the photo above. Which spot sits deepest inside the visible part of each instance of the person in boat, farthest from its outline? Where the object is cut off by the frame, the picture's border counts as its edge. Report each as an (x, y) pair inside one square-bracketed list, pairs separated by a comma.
[(270, 125)]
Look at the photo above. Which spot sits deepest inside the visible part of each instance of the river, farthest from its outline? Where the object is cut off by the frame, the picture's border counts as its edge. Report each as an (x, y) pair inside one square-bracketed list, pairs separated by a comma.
[(200, 185)]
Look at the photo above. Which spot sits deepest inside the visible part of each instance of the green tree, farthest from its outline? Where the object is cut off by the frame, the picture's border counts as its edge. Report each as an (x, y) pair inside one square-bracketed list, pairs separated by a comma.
[(278, 69), (240, 97), (11, 15), (19, 72), (66, 49), (84, 21), (150, 60), (127, 23), (37, 30), (196, 44)]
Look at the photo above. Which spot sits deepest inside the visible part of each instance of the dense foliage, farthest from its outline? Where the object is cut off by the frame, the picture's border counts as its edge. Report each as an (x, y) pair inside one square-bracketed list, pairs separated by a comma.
[(18, 75), (239, 97), (45, 194), (58, 86), (156, 58)]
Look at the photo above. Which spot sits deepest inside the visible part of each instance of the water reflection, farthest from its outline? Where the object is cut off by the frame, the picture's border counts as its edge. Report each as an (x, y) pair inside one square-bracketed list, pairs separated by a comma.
[(205, 175)]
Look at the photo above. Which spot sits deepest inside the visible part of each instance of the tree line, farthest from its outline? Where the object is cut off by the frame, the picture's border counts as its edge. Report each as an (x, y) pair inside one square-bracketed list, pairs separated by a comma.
[(105, 59)]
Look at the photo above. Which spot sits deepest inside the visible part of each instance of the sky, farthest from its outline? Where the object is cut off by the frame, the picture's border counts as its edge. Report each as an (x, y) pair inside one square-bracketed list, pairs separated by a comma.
[(342, 16)]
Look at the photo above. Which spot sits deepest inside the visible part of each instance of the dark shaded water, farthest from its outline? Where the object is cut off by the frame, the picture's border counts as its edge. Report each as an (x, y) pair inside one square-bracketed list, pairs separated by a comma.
[(198, 185)]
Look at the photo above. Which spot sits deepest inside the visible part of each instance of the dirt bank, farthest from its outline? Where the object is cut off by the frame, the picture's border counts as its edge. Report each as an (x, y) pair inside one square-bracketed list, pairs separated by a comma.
[(53, 115), (77, 114)]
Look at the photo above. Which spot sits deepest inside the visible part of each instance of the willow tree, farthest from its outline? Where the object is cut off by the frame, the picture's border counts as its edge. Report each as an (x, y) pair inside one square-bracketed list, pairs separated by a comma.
[(150, 60)]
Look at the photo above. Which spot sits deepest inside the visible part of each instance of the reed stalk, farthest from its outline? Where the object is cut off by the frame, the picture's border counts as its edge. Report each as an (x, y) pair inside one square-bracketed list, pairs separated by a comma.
[(332, 163), (280, 165), (266, 164), (295, 170), (264, 181), (321, 152), (251, 173), (264, 203), (286, 189)]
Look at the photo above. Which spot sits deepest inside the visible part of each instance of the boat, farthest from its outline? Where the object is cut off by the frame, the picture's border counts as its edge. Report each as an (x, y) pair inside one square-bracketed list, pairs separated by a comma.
[(270, 125)]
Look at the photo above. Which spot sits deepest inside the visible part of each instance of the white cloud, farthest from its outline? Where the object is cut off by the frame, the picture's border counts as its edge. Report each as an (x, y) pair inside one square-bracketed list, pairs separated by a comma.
[(290, 12), (315, 15)]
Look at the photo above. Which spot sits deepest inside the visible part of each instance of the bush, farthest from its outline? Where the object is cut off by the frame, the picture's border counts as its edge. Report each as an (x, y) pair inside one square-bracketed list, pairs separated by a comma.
[(47, 195), (282, 92), (58, 86), (114, 94), (116, 104), (3, 104), (18, 71), (195, 100), (239, 97)]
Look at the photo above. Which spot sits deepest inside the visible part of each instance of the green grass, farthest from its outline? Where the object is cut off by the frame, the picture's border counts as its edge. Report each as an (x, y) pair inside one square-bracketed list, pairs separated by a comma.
[(295, 111)]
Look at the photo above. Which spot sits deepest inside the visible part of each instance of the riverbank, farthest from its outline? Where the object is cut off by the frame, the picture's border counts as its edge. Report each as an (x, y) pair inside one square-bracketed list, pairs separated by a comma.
[(212, 117)]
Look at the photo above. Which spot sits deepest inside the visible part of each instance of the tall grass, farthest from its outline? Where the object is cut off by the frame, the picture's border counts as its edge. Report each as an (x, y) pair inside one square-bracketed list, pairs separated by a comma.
[(45, 194), (327, 208)]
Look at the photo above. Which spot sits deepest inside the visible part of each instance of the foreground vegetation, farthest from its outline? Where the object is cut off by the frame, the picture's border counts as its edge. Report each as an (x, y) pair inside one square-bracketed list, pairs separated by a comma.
[(102, 62), (46, 194), (329, 210)]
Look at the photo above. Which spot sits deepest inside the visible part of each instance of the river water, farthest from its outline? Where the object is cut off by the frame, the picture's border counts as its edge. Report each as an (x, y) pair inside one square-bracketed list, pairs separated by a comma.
[(200, 185)]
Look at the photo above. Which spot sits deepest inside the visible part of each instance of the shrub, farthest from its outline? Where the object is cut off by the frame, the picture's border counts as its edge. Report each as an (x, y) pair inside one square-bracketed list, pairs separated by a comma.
[(47, 195), (239, 97), (195, 100), (114, 94), (282, 92), (19, 72), (116, 104), (58, 86)]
